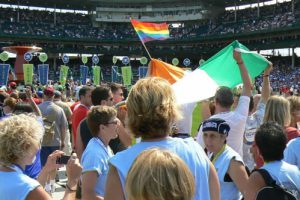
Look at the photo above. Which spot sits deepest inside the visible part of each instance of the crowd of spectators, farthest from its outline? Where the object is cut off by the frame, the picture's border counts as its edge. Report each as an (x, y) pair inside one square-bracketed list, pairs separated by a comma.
[(79, 26)]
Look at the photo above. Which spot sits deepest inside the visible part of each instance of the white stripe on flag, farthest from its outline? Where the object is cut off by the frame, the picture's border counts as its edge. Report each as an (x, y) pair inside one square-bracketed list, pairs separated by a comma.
[(194, 87)]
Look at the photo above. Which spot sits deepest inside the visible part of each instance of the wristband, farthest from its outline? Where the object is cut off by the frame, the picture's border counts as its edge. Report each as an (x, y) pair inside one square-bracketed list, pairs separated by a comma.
[(68, 187), (266, 75), (239, 63)]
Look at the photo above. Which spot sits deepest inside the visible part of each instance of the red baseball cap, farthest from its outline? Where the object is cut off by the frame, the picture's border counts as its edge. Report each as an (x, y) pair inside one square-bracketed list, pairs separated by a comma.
[(49, 91), (12, 84)]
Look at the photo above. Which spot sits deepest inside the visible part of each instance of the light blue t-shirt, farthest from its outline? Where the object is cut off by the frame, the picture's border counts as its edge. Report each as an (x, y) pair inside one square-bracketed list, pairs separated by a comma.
[(187, 149), (95, 158), (285, 175), (292, 152), (229, 190), (16, 186)]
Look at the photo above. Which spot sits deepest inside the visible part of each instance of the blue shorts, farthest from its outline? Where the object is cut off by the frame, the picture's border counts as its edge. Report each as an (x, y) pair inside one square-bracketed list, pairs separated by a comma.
[(45, 152)]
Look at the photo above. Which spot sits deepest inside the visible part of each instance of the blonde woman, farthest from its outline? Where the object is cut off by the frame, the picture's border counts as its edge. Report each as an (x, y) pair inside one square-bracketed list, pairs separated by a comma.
[(159, 174), (295, 111), (152, 111), (20, 138), (277, 110)]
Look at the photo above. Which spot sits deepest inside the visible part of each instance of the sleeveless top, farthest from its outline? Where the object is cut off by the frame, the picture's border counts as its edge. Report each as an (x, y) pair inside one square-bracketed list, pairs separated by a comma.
[(229, 190), (15, 185), (187, 149)]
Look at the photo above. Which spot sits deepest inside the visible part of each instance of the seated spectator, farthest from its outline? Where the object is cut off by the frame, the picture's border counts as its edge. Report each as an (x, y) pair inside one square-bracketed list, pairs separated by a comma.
[(159, 174), (271, 142), (229, 164)]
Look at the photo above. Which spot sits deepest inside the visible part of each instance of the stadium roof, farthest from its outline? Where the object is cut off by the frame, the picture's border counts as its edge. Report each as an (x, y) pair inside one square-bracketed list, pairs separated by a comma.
[(90, 4)]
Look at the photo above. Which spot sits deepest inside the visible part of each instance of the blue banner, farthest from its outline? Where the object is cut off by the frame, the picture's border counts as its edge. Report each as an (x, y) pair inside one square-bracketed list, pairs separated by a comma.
[(43, 73), (83, 74), (115, 74), (4, 72), (142, 71)]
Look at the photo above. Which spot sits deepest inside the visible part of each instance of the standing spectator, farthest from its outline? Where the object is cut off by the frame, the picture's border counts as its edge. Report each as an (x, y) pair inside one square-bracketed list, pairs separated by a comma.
[(237, 118), (80, 110), (152, 111), (271, 142), (55, 133), (57, 100)]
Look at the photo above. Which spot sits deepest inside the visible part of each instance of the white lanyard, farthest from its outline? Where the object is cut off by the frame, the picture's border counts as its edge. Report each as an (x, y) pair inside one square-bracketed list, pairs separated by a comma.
[(17, 168)]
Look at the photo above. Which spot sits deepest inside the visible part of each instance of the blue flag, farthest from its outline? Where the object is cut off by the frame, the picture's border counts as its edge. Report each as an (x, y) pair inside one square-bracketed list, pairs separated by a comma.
[(4, 72)]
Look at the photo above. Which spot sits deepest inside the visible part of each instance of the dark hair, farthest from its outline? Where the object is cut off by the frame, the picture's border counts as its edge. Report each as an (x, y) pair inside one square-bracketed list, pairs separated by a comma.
[(224, 97), (100, 93), (115, 87), (99, 115), (271, 140), (22, 107), (83, 91), (3, 95)]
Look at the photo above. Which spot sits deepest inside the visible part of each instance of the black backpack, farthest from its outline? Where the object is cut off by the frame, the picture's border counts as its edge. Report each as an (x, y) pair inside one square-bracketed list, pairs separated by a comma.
[(272, 190)]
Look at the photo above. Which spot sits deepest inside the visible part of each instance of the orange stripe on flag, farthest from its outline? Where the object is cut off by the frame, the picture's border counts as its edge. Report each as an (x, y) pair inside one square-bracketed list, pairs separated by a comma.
[(165, 70)]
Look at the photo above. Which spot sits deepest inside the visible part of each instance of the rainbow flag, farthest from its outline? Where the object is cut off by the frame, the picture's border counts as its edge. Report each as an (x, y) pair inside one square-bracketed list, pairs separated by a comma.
[(151, 31)]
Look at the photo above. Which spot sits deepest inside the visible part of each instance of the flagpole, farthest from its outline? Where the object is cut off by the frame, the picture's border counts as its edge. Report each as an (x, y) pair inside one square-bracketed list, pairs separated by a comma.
[(146, 49)]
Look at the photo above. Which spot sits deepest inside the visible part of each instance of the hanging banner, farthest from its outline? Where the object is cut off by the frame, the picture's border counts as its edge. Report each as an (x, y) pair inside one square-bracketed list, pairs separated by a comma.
[(142, 71), (43, 73), (83, 74), (115, 74), (63, 74), (28, 73), (96, 75), (4, 71), (127, 75)]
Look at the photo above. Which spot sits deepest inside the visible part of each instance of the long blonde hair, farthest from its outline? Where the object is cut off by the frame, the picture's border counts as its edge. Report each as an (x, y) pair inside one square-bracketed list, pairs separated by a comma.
[(161, 175), (278, 110)]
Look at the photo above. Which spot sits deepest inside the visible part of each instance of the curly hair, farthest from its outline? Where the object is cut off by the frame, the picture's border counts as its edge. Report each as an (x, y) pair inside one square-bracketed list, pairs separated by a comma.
[(151, 108), (159, 174), (17, 134)]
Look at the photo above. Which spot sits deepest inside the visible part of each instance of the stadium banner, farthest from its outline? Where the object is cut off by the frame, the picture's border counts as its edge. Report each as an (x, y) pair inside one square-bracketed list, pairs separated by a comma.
[(96, 75), (115, 74), (142, 71), (83, 74), (43, 73), (4, 72), (63, 74), (127, 75), (28, 73)]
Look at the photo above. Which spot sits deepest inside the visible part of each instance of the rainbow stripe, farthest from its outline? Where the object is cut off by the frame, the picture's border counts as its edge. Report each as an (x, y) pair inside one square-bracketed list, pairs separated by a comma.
[(151, 31)]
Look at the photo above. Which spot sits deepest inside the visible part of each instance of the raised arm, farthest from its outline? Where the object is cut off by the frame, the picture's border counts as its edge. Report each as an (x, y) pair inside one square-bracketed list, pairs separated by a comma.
[(244, 73), (266, 88)]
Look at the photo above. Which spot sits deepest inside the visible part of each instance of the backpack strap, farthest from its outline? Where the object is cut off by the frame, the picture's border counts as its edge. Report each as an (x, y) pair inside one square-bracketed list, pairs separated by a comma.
[(267, 177)]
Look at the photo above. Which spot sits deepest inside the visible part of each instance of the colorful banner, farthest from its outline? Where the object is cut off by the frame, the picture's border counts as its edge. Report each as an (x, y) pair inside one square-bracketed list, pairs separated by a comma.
[(63, 74), (28, 73), (127, 75), (142, 71), (4, 72), (83, 74), (115, 74), (43, 73), (96, 75)]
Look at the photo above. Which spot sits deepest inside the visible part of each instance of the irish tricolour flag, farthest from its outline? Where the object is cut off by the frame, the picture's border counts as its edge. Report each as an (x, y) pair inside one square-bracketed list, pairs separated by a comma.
[(219, 70)]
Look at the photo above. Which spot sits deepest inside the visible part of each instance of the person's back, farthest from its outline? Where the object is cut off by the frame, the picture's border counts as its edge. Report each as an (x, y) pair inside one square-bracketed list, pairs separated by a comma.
[(285, 175), (188, 150), (292, 152)]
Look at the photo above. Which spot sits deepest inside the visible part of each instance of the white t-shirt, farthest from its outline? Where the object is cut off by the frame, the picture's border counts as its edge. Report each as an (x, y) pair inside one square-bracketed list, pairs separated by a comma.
[(237, 122)]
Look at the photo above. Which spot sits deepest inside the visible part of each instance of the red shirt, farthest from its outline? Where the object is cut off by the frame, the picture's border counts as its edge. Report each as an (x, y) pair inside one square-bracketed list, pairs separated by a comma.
[(79, 114), (73, 105)]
